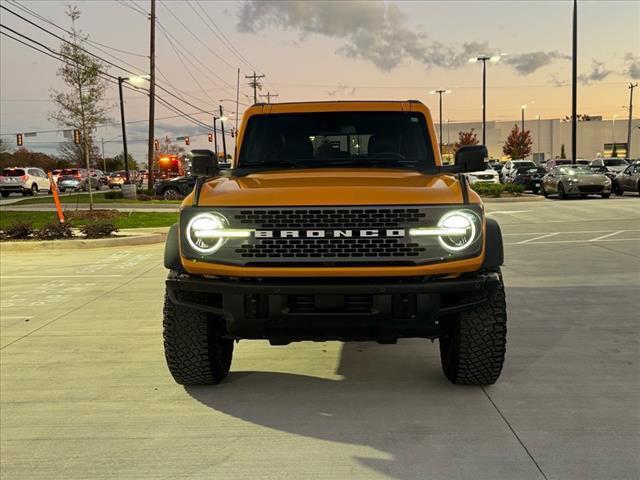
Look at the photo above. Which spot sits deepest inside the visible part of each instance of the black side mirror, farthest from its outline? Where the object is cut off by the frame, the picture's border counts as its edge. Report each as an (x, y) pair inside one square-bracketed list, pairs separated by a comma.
[(204, 163), (471, 158)]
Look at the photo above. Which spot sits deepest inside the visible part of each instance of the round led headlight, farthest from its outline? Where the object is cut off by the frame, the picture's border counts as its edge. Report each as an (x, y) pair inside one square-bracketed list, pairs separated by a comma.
[(203, 232), (463, 228)]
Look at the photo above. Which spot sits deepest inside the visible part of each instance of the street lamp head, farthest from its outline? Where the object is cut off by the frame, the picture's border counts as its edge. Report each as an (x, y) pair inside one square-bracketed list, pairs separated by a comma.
[(433, 92), (524, 106), (223, 119), (138, 79)]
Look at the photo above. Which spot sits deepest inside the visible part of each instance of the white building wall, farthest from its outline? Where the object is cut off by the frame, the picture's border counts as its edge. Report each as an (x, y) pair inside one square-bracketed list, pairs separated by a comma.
[(549, 135)]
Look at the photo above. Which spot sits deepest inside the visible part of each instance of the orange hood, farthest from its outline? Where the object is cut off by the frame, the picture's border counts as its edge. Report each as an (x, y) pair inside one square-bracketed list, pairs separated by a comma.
[(337, 186)]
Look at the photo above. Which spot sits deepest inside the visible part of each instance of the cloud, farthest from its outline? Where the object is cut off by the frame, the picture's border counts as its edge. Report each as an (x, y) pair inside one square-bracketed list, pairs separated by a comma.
[(342, 90), (526, 63), (632, 66), (373, 31), (598, 73), (556, 81)]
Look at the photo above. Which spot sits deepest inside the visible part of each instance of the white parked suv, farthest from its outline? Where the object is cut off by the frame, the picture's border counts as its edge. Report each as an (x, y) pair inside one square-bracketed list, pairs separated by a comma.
[(488, 175), (25, 180), (512, 166)]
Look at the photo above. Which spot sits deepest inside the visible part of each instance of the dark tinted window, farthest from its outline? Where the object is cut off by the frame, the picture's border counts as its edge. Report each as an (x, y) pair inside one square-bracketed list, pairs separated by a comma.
[(337, 139), (69, 171), (13, 172), (615, 162)]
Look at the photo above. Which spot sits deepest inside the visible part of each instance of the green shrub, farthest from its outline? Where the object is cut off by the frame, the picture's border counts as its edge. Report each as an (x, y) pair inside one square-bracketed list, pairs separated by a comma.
[(18, 231), (144, 197), (55, 231), (113, 195), (514, 189), (488, 189), (98, 229), (146, 191)]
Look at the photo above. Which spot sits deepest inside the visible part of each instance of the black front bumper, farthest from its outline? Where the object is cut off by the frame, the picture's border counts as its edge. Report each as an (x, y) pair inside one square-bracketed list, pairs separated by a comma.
[(285, 310)]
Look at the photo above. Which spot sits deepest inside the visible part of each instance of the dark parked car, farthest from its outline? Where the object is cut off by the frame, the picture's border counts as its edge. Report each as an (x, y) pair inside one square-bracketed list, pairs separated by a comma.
[(529, 178), (628, 181), (174, 188)]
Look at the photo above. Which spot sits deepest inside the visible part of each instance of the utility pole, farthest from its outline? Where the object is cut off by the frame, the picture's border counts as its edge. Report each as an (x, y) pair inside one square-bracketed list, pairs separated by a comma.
[(237, 99), (215, 136), (269, 95), (152, 89), (631, 87), (224, 141), (523, 109), (574, 86), (104, 161), (440, 92), (124, 131), (538, 119), (255, 85)]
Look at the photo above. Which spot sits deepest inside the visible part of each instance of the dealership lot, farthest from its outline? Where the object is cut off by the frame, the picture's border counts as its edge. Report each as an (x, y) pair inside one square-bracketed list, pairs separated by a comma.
[(85, 392)]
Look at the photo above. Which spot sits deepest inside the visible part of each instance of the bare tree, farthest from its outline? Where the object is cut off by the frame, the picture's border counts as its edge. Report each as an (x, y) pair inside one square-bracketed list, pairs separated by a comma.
[(82, 107)]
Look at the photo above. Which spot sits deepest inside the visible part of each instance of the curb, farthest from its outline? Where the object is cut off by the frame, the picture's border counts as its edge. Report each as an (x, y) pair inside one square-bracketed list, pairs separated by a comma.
[(134, 239), (532, 198)]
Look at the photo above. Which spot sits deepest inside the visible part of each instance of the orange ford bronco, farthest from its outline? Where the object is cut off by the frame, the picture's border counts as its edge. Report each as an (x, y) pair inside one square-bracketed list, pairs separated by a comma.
[(336, 221)]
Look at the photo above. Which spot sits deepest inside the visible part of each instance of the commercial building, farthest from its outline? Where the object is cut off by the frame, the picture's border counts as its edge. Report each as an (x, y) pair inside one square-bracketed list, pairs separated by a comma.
[(595, 136)]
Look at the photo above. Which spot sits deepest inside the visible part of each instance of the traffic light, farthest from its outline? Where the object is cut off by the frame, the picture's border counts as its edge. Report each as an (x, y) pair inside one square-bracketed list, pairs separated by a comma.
[(156, 145), (19, 141), (76, 137), (187, 141), (210, 137)]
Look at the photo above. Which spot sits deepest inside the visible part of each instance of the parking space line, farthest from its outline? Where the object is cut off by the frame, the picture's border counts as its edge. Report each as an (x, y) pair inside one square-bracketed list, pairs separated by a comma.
[(57, 276), (579, 241), (606, 236), (568, 233), (537, 238)]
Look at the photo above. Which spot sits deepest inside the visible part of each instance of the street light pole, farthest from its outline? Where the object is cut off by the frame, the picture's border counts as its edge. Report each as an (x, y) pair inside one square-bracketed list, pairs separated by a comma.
[(523, 109), (483, 59), (440, 92), (215, 136), (631, 87), (224, 141), (538, 119), (613, 134), (124, 130)]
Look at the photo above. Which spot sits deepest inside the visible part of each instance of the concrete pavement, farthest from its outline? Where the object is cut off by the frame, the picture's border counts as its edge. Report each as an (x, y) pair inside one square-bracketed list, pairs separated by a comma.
[(85, 392)]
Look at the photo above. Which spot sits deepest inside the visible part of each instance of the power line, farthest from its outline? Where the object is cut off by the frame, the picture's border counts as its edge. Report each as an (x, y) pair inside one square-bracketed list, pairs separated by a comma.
[(90, 53), (50, 22), (195, 36), (219, 34)]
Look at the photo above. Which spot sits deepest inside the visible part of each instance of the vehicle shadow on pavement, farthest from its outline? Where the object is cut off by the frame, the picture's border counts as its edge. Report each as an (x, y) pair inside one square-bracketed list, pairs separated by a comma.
[(392, 398)]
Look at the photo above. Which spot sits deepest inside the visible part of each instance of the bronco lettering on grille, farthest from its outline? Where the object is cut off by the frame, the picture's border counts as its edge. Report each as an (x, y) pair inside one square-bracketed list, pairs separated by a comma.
[(367, 233)]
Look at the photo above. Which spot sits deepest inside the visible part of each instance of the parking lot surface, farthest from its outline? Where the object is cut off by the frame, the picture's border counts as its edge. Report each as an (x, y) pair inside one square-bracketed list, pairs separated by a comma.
[(85, 392)]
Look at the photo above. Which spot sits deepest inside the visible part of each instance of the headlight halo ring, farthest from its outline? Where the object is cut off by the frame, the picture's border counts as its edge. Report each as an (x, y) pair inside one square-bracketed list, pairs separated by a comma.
[(218, 222), (458, 219)]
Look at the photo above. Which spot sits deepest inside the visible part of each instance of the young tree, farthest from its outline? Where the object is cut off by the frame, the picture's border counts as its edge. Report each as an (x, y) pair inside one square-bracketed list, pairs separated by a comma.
[(75, 154), (82, 107), (562, 152), (518, 144), (466, 138)]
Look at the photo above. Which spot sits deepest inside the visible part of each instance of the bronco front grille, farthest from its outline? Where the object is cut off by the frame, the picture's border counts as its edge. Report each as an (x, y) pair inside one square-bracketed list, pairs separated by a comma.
[(332, 236), (329, 248), (330, 218)]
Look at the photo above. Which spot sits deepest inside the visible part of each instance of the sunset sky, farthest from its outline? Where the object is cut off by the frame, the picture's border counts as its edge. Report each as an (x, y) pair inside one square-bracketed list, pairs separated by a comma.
[(332, 50)]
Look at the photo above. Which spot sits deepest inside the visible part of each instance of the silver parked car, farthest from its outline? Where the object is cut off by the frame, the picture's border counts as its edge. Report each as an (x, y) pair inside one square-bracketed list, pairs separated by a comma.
[(568, 180), (627, 181)]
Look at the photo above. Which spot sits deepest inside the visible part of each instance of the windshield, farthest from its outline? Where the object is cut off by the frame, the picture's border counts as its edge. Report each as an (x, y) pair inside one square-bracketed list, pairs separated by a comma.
[(340, 139), (12, 172), (575, 170), (618, 162), (524, 165)]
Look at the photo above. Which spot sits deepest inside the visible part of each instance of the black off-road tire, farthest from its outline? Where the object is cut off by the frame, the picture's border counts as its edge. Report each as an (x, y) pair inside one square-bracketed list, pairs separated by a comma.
[(473, 343), (195, 351), (562, 195)]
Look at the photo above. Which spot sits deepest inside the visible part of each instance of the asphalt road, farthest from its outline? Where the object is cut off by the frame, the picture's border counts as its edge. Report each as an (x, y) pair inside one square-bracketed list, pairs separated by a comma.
[(85, 392)]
